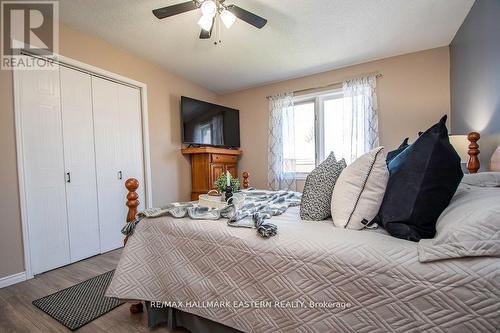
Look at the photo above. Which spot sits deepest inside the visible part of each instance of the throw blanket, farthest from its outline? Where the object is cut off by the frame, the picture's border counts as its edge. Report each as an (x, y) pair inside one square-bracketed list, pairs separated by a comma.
[(258, 206)]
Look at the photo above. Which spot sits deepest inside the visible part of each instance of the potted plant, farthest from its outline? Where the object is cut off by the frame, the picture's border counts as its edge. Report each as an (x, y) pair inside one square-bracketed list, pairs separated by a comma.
[(221, 182)]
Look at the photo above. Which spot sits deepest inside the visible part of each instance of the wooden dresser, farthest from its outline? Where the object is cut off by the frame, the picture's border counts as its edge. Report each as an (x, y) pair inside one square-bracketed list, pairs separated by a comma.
[(207, 164)]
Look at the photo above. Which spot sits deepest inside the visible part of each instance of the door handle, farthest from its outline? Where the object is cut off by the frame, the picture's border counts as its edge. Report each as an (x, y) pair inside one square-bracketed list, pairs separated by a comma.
[(120, 175), (68, 177)]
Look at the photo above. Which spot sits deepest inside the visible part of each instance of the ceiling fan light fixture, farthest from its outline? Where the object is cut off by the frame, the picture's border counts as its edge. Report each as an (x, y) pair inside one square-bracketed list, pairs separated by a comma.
[(227, 18), (209, 8), (205, 22)]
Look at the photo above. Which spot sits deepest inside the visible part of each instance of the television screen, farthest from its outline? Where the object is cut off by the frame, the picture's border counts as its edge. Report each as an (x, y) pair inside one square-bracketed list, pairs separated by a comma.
[(209, 124)]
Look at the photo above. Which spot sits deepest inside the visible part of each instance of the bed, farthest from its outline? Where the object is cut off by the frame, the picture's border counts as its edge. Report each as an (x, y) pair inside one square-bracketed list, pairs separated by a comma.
[(311, 277)]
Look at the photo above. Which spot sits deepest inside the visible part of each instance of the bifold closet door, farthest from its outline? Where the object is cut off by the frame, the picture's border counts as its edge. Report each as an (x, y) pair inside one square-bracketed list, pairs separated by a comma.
[(118, 141), (79, 162), (129, 100), (38, 98)]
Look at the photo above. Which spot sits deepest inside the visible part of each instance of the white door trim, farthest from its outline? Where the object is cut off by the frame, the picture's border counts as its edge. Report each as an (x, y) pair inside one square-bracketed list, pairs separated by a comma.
[(20, 174), (96, 71)]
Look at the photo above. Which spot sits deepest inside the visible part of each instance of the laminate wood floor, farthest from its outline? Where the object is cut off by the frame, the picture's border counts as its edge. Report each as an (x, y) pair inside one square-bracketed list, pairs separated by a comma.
[(17, 314)]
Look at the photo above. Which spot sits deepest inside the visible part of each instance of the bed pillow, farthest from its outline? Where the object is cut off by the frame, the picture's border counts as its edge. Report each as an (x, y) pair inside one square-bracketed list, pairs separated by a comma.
[(423, 179), (482, 179), (359, 190), (317, 194), (468, 227), (396, 152)]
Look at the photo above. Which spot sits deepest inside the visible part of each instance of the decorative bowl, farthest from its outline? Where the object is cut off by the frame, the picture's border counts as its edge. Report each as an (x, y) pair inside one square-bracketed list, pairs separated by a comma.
[(211, 201)]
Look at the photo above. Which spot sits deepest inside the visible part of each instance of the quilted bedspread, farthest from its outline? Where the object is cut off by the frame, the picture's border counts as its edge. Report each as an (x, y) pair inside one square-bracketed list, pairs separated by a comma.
[(311, 277)]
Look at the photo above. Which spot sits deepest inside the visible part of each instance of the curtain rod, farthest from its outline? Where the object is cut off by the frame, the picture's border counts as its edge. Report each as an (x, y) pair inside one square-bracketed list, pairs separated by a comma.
[(377, 75)]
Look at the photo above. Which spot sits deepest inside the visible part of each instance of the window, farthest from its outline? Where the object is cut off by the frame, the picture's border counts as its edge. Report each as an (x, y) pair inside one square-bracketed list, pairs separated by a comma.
[(300, 156), (318, 122)]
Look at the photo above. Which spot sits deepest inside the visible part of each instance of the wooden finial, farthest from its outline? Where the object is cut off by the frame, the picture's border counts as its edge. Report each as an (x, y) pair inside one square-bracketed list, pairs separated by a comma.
[(473, 165), (246, 183), (132, 185)]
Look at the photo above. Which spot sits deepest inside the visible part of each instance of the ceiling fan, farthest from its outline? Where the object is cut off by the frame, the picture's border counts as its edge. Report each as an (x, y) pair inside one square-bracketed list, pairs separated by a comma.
[(210, 10)]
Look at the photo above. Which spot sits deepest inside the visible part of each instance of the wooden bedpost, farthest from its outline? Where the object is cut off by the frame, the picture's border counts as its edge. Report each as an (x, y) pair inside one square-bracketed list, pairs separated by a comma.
[(246, 183), (473, 165), (132, 185)]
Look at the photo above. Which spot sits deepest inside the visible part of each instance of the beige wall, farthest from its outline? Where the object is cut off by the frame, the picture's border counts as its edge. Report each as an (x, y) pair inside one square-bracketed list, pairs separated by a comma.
[(170, 170), (413, 94)]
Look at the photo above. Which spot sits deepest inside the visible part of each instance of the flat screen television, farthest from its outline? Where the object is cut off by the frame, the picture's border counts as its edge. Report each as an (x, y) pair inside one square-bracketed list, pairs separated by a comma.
[(207, 124)]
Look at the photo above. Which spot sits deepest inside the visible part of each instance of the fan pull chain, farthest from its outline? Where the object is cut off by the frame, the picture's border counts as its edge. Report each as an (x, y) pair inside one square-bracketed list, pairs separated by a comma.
[(218, 37)]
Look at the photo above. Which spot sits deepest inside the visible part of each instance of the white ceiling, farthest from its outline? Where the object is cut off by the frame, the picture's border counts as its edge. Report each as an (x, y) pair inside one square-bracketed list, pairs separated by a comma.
[(302, 36)]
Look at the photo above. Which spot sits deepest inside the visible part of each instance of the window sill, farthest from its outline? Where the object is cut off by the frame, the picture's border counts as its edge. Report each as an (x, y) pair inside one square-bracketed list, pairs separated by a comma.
[(301, 176), (297, 175)]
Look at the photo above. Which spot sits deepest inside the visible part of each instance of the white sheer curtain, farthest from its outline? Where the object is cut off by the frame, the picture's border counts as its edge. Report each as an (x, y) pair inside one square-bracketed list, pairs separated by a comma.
[(281, 143), (360, 117)]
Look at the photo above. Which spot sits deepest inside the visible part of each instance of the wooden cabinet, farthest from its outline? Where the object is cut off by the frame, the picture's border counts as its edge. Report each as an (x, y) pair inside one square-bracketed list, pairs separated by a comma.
[(207, 164), (216, 169), (233, 169)]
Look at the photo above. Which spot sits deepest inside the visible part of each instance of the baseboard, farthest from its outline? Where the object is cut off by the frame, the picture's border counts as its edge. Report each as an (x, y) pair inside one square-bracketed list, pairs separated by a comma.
[(12, 279)]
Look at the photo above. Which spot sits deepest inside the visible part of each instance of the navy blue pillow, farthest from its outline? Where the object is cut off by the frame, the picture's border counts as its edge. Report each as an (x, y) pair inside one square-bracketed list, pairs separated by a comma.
[(423, 179), (396, 152)]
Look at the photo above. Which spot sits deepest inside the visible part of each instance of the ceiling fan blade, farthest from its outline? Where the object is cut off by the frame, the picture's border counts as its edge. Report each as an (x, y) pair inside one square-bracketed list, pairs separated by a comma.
[(248, 17), (174, 9), (207, 34)]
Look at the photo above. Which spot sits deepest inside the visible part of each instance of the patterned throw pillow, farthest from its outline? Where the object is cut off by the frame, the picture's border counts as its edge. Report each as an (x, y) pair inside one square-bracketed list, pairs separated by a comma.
[(317, 195)]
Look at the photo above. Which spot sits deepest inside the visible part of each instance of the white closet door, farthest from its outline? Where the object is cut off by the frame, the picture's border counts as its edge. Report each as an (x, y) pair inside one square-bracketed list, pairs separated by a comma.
[(118, 142), (129, 100), (41, 131), (110, 183), (79, 161)]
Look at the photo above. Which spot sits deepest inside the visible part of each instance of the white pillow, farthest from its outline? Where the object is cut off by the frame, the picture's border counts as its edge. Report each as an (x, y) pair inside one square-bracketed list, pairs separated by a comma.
[(482, 179), (359, 191), (468, 227)]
